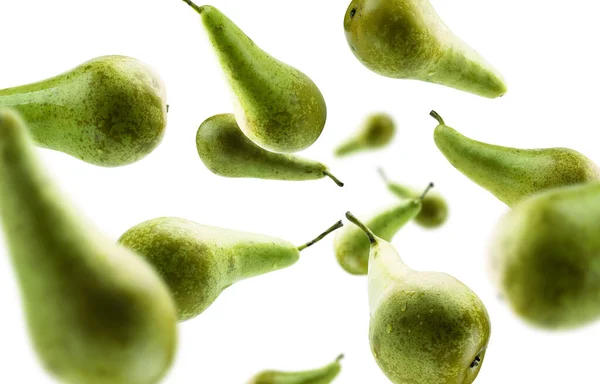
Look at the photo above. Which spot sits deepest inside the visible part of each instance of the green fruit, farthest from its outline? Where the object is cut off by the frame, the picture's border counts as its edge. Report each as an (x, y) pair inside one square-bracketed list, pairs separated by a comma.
[(426, 327), (545, 257), (97, 313), (198, 262), (376, 132), (324, 375), (511, 174), (434, 209), (276, 106), (352, 248), (406, 39), (226, 151), (109, 111)]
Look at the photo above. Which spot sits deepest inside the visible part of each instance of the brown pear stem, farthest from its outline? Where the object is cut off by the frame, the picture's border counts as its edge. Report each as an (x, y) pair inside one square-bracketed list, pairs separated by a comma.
[(335, 179), (361, 225), (429, 186), (337, 225), (435, 115), (191, 4), (339, 358)]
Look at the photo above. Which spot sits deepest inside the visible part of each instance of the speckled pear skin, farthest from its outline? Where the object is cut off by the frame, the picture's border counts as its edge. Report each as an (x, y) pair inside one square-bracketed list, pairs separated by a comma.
[(406, 39), (109, 111), (96, 312), (511, 174), (226, 151), (425, 327), (323, 375), (376, 132), (545, 257)]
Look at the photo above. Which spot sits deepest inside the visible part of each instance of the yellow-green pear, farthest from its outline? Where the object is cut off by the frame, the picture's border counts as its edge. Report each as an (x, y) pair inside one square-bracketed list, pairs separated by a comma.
[(323, 375), (376, 132)]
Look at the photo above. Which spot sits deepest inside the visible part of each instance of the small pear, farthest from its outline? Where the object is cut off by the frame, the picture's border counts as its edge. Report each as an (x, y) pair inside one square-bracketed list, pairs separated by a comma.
[(545, 257), (323, 375), (406, 39), (511, 174), (376, 132), (426, 327), (226, 151), (276, 106), (434, 209), (97, 313), (109, 111), (352, 248), (198, 261)]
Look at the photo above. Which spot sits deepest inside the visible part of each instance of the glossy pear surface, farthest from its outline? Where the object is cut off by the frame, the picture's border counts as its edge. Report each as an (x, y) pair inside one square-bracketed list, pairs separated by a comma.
[(109, 111), (97, 313), (226, 151), (511, 174), (545, 257), (406, 39), (376, 132), (323, 375)]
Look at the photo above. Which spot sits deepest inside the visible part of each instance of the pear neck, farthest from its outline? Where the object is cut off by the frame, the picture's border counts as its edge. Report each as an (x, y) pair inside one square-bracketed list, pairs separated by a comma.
[(386, 268)]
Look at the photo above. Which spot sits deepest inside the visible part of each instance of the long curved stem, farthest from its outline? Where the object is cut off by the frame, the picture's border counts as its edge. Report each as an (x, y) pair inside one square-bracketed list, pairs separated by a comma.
[(429, 186), (335, 179), (337, 225), (361, 225), (191, 4), (435, 115)]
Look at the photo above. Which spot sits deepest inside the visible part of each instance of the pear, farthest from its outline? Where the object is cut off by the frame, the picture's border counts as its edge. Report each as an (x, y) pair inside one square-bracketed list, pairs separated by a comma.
[(352, 248), (226, 151), (426, 327), (97, 313), (276, 106), (406, 39), (434, 209), (323, 375), (511, 174), (376, 132), (198, 261), (109, 111)]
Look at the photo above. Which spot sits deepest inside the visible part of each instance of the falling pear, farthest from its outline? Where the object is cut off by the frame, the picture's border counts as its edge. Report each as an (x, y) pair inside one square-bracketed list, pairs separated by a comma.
[(323, 375), (376, 132)]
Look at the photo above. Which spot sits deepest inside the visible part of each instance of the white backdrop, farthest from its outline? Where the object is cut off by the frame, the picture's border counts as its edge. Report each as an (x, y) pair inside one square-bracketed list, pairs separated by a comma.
[(302, 317)]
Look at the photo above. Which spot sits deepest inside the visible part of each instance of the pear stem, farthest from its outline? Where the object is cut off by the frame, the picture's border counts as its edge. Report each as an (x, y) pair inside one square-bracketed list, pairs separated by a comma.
[(361, 225), (191, 4), (429, 186), (340, 357), (435, 115), (383, 175), (335, 179), (337, 225)]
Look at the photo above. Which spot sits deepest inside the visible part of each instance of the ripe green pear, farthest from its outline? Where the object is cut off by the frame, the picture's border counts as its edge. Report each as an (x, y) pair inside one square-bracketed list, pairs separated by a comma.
[(406, 39), (109, 111), (226, 151), (198, 261), (97, 313), (276, 106), (376, 132), (511, 174), (323, 375), (426, 327)]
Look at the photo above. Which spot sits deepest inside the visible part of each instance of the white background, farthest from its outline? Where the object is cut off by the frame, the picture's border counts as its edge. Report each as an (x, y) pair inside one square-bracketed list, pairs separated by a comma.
[(302, 317)]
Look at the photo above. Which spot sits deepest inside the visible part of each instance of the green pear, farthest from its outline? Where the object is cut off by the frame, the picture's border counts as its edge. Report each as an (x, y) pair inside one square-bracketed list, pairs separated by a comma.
[(276, 106), (324, 375), (434, 209), (226, 151), (376, 132), (352, 248), (198, 261), (406, 39), (545, 257), (426, 327), (97, 313), (511, 174), (109, 111)]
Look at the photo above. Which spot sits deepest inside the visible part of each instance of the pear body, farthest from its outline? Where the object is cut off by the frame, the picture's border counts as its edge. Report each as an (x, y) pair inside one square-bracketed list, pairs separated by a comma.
[(512, 174), (434, 209), (109, 111), (323, 375), (545, 257), (198, 261), (276, 106), (97, 313), (376, 132), (406, 39)]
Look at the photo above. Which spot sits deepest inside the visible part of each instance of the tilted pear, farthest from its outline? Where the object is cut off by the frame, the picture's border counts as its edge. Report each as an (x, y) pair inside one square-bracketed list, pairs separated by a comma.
[(97, 313), (434, 209), (352, 248), (545, 257), (426, 327), (512, 174), (109, 111), (276, 106), (226, 151), (406, 39), (198, 261), (324, 375), (376, 132)]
